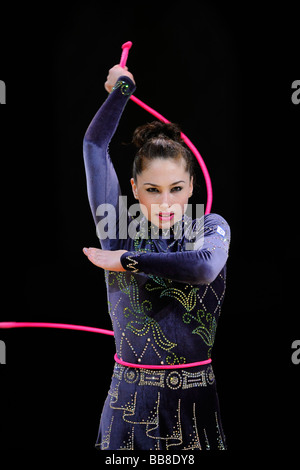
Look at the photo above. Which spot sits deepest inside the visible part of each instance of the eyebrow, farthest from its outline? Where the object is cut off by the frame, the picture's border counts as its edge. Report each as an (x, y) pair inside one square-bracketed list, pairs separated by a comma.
[(172, 184)]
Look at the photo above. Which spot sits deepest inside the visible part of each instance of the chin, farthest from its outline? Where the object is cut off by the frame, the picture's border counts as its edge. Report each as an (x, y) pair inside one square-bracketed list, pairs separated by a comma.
[(165, 222)]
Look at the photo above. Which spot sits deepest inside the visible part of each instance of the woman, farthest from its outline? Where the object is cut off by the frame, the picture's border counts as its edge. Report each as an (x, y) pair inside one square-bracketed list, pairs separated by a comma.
[(164, 298)]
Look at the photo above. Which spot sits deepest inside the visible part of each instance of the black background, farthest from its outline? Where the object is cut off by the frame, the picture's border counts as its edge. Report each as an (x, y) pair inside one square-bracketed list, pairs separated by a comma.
[(224, 73)]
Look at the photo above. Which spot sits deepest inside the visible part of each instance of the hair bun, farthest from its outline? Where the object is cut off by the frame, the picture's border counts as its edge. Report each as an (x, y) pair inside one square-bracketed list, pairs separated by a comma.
[(156, 130)]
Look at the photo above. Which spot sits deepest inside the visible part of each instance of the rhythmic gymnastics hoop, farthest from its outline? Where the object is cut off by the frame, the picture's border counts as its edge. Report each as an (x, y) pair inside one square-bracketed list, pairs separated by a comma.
[(125, 51)]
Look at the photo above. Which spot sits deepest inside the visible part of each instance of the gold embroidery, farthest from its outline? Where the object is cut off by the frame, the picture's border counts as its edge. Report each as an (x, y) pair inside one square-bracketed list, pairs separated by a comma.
[(132, 265)]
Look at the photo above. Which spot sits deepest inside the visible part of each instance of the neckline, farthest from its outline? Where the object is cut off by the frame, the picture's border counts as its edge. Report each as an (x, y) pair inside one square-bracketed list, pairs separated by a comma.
[(165, 234)]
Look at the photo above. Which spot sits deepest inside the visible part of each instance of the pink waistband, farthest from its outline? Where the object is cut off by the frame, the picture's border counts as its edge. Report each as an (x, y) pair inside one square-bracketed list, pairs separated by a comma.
[(146, 366)]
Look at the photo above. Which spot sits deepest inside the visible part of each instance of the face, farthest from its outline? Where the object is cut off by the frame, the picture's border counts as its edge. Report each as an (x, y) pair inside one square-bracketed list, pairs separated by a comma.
[(163, 188)]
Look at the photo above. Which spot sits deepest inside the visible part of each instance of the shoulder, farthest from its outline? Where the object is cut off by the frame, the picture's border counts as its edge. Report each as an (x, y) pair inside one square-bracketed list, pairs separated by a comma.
[(210, 227), (208, 223), (207, 226), (217, 224)]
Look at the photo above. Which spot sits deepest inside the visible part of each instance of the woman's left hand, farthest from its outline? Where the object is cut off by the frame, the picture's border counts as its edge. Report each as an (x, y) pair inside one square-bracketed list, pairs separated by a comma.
[(105, 259)]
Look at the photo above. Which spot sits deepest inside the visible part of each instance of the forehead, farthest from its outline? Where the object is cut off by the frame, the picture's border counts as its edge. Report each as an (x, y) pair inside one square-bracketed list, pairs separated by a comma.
[(164, 170)]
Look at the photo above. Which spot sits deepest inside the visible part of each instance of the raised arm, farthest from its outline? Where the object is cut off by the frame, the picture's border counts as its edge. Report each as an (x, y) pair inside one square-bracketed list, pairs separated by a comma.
[(102, 182)]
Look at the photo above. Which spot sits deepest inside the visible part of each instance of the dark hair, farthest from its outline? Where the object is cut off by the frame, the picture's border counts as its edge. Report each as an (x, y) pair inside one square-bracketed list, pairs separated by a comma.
[(159, 140)]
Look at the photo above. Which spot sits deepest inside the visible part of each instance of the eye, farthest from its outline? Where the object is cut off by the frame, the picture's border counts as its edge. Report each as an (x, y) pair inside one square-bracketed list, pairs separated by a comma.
[(152, 190), (176, 189)]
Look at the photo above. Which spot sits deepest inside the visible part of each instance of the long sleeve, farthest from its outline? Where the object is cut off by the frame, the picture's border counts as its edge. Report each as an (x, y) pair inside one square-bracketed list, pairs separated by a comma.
[(200, 266), (102, 182)]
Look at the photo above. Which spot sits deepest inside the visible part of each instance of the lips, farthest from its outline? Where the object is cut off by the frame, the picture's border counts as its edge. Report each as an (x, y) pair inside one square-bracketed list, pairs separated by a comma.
[(165, 216)]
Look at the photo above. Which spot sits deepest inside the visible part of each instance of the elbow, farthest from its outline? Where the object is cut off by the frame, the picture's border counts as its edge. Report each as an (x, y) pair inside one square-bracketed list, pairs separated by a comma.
[(91, 135), (96, 136), (90, 140), (87, 137), (207, 270), (206, 275), (87, 143), (86, 146), (91, 151)]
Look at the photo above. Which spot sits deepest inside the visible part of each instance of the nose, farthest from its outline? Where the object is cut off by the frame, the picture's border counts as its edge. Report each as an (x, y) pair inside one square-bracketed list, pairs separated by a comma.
[(164, 201)]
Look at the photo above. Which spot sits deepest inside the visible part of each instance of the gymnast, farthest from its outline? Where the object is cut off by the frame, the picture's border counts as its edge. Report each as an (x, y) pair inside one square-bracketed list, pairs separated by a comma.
[(164, 297)]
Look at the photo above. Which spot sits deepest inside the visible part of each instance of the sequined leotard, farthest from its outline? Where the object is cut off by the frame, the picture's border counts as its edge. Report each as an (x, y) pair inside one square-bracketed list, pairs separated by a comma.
[(164, 310)]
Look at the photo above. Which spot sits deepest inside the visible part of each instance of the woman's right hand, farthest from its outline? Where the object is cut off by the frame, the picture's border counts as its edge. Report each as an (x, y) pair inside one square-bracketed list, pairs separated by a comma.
[(113, 75)]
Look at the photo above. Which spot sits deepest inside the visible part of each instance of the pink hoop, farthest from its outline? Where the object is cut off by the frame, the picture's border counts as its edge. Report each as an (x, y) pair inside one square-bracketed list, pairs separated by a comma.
[(64, 326), (146, 366), (126, 46), (5, 325)]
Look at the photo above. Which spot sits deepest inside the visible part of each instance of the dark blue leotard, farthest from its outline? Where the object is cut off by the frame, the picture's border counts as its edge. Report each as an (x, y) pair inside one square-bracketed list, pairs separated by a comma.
[(164, 310)]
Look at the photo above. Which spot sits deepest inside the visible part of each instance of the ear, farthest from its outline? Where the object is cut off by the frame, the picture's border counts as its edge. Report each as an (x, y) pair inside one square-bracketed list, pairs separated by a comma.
[(134, 188)]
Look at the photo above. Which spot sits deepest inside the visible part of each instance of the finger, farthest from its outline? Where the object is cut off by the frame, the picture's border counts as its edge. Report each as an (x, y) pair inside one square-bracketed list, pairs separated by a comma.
[(95, 255), (88, 251), (94, 259)]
